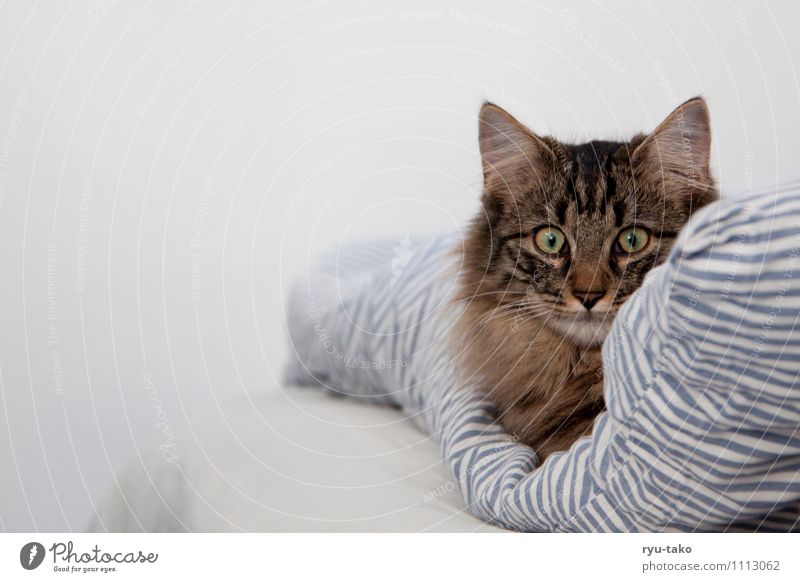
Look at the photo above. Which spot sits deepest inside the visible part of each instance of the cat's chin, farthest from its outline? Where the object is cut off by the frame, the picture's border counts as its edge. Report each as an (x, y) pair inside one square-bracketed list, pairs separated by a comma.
[(584, 328)]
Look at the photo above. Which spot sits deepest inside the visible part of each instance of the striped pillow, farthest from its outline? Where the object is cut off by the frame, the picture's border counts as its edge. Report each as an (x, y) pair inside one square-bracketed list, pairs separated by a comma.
[(701, 385)]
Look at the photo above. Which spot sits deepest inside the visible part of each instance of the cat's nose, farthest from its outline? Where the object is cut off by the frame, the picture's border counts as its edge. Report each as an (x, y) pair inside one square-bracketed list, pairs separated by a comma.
[(589, 298)]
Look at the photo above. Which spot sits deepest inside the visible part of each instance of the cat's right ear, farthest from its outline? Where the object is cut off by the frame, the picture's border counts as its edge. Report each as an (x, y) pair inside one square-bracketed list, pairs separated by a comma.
[(677, 155), (513, 156)]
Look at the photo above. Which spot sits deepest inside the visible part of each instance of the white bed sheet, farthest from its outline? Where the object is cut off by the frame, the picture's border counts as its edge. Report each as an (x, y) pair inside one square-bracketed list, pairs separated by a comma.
[(299, 460)]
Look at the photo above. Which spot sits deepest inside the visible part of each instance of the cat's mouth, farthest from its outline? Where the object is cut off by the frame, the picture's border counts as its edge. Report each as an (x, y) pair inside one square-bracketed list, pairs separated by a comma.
[(584, 327)]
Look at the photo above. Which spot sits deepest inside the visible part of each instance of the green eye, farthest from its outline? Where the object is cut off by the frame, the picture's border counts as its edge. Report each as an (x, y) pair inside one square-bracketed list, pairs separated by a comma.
[(549, 239), (632, 240)]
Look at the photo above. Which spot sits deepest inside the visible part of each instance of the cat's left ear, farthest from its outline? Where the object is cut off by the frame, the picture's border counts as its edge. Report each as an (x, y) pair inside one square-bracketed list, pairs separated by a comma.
[(678, 153), (514, 158)]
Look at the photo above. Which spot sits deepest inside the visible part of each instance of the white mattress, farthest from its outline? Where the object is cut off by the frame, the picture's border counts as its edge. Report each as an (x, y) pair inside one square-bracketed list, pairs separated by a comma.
[(298, 460)]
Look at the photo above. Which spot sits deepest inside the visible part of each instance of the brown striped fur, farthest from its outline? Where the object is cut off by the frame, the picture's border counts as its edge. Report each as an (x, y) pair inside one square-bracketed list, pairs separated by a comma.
[(524, 336)]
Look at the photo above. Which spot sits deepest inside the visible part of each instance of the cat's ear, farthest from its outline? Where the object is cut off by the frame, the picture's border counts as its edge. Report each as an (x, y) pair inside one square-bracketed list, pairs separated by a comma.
[(513, 157), (678, 153)]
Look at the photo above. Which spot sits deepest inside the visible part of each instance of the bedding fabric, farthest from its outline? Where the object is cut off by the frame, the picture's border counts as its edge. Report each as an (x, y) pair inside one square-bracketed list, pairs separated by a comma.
[(701, 380), (294, 460)]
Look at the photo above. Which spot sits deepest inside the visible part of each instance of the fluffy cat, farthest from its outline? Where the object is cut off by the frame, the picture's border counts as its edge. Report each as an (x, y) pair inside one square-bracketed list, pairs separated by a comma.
[(565, 235)]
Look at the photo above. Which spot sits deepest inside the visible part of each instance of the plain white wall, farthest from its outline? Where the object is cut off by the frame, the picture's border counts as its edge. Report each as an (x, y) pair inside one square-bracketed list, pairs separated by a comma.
[(166, 168)]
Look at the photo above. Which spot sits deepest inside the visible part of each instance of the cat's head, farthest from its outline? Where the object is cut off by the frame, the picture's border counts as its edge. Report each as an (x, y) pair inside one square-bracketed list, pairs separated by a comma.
[(568, 232)]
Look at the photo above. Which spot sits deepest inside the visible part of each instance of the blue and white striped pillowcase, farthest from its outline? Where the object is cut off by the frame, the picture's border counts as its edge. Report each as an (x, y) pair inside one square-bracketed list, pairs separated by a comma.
[(700, 433)]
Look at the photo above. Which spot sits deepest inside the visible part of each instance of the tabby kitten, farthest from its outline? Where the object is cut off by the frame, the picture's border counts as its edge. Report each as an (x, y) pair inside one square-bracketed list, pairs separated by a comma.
[(566, 234)]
